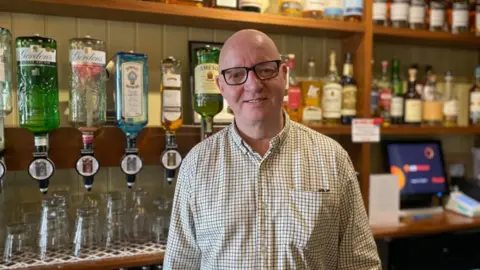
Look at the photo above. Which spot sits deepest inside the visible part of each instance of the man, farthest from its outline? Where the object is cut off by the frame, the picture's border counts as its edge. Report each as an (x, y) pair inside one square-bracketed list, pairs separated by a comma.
[(266, 192)]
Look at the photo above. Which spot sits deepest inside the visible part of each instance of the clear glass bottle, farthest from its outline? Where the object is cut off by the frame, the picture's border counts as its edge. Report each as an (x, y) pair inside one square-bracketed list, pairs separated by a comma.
[(450, 105), (436, 16), (333, 10), (460, 16), (399, 13), (475, 99), (416, 16), (313, 8), (353, 10), (384, 96), (294, 92), (380, 12), (332, 95), (311, 92), (477, 19), (6, 66), (432, 101), (291, 7)]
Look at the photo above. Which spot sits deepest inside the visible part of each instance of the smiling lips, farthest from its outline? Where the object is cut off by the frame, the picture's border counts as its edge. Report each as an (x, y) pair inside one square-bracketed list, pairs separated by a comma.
[(257, 100)]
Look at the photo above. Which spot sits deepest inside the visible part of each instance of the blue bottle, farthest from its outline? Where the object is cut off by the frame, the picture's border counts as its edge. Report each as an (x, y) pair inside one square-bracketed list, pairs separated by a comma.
[(130, 71)]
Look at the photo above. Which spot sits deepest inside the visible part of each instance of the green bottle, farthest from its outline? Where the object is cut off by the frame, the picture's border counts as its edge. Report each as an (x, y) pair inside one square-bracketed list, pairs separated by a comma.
[(397, 105), (208, 101)]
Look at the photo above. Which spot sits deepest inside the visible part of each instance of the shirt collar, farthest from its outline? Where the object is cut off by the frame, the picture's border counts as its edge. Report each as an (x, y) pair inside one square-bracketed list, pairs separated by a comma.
[(275, 143)]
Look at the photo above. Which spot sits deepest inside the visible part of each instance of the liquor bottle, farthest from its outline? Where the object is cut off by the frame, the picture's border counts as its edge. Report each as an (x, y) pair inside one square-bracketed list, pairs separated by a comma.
[(385, 96), (333, 10), (471, 15), (436, 21), (313, 8), (131, 99), (194, 3), (251, 5), (459, 16), (450, 105), (207, 100), (475, 99), (353, 10), (413, 101), (349, 92), (291, 7), (432, 101), (380, 12), (37, 80), (171, 104), (294, 92), (399, 15), (477, 18), (416, 16), (6, 55), (287, 83), (87, 101), (223, 4), (332, 95), (374, 94), (396, 109), (311, 91)]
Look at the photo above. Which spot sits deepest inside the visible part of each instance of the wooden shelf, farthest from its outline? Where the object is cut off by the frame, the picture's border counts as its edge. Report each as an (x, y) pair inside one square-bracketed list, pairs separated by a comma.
[(204, 17), (448, 221), (422, 130), (425, 37)]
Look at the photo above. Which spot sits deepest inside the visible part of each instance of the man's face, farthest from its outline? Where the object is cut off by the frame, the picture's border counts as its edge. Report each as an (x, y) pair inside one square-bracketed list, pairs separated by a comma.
[(255, 100)]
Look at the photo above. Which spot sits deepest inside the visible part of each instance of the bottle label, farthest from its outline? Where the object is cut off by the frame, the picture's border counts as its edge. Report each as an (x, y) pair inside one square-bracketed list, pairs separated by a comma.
[(205, 75), (396, 109), (227, 3), (41, 169), (87, 56), (380, 11), (131, 164), (87, 165), (172, 104), (450, 108), (399, 11), (432, 111), (311, 113), (2, 65), (294, 97), (349, 100), (250, 3), (437, 17), (353, 7), (333, 7), (413, 110), (428, 93), (477, 20), (417, 14), (332, 100), (172, 80), (37, 55), (314, 5), (460, 15), (475, 103), (385, 98), (171, 159), (132, 89), (290, 6)]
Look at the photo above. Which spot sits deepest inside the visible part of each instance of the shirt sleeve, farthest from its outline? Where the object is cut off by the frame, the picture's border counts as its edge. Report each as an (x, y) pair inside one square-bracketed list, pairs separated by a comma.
[(357, 248), (182, 250)]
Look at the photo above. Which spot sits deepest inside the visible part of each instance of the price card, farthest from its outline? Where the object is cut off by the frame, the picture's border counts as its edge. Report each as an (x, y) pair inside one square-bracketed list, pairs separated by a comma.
[(366, 130)]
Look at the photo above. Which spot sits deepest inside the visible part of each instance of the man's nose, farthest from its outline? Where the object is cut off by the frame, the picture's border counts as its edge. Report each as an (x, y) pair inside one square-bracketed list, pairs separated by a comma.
[(253, 83)]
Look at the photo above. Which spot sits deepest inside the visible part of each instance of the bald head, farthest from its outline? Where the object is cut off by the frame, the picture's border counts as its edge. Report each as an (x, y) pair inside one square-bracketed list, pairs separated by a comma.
[(245, 45)]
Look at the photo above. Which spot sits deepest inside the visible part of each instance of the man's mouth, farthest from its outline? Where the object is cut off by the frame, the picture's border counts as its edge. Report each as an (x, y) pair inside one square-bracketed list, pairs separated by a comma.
[(257, 100)]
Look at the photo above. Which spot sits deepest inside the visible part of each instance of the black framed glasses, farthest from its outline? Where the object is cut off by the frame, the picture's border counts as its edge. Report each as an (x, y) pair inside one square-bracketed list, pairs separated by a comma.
[(264, 71)]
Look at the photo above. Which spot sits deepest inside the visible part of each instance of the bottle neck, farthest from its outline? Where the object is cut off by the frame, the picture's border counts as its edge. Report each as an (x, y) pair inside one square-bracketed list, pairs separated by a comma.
[(311, 71), (348, 70)]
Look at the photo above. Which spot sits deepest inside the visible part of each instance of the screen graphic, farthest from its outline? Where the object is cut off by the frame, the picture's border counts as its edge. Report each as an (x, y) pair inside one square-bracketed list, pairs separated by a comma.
[(418, 166)]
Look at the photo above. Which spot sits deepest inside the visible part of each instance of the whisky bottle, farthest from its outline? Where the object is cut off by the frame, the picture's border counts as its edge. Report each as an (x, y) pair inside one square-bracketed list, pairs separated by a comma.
[(475, 99), (250, 5), (195, 3), (460, 16), (413, 101), (384, 96), (432, 101), (207, 100), (380, 12), (436, 16), (311, 91), (416, 16), (477, 19), (333, 10), (399, 15), (313, 8), (291, 7), (223, 4), (396, 109), (294, 92), (353, 10), (450, 105), (332, 95), (349, 92)]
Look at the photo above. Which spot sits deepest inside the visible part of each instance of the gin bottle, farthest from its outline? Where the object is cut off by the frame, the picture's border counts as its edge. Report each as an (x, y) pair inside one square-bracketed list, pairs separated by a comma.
[(87, 103), (5, 87), (37, 80), (171, 105), (208, 101), (129, 69)]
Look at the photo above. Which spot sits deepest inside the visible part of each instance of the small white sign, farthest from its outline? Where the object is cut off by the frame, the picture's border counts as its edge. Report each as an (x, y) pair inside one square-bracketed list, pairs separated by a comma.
[(366, 130)]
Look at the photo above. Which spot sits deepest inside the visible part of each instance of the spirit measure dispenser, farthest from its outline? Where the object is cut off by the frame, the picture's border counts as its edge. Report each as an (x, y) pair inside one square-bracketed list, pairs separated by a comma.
[(208, 101), (171, 104), (130, 71), (5, 91), (37, 80), (87, 102)]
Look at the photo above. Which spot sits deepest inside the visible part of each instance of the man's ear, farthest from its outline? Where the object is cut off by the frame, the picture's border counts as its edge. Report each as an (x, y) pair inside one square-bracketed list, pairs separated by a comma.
[(219, 83)]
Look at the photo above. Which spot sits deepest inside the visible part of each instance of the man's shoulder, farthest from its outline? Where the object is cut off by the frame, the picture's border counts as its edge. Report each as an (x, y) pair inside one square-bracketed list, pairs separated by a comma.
[(212, 143), (313, 139)]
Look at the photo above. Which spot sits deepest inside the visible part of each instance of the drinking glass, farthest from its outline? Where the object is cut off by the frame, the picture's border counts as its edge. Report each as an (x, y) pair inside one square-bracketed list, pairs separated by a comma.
[(87, 231), (17, 241), (140, 218), (117, 220), (54, 228)]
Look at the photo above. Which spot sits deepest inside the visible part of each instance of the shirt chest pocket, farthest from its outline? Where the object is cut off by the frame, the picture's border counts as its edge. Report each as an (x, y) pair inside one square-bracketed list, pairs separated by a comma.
[(305, 218)]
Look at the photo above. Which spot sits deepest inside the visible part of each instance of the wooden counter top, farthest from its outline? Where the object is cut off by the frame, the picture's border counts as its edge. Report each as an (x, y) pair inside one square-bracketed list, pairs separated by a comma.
[(445, 222)]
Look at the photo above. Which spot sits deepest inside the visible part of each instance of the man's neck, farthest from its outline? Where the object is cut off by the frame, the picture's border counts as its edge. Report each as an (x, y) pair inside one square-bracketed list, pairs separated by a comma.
[(259, 134)]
